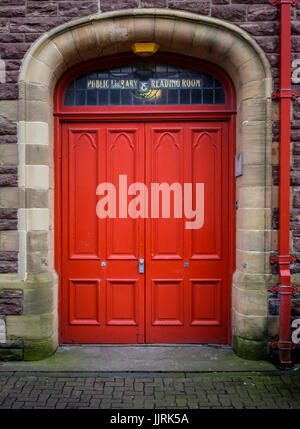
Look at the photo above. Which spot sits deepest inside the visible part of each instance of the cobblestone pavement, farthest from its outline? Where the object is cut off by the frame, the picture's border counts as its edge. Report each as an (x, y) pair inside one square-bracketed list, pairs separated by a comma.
[(150, 390)]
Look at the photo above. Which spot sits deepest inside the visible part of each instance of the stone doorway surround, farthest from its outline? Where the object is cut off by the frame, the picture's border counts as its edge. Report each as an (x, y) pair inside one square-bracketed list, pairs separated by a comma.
[(219, 42)]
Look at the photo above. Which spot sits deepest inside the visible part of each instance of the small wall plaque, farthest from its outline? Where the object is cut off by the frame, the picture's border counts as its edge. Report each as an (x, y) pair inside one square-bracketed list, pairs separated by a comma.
[(239, 164)]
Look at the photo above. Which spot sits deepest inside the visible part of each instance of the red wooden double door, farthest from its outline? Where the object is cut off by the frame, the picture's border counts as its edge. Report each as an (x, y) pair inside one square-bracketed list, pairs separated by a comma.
[(183, 294)]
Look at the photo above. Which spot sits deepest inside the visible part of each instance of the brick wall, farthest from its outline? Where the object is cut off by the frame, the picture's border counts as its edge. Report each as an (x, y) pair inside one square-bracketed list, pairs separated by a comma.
[(23, 21)]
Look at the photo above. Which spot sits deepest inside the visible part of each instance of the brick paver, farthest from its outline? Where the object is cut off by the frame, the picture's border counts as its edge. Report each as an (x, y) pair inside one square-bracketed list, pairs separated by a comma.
[(149, 390)]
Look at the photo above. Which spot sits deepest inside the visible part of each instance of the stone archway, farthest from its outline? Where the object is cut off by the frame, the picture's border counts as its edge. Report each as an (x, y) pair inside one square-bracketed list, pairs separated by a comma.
[(110, 33)]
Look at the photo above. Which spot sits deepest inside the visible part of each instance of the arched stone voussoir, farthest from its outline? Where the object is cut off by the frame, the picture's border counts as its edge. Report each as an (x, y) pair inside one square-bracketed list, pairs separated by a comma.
[(112, 33), (66, 45), (85, 42), (50, 55), (178, 32)]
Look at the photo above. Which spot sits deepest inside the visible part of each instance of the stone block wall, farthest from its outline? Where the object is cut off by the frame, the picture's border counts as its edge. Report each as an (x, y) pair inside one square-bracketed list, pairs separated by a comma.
[(23, 21), (11, 303)]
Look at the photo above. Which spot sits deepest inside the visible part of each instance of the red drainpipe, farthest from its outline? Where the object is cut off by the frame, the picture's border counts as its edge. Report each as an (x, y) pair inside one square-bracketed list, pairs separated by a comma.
[(284, 258)]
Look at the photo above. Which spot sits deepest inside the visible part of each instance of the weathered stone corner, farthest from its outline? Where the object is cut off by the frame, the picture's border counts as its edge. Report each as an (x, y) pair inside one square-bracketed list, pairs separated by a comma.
[(249, 349), (11, 350), (38, 349), (29, 325)]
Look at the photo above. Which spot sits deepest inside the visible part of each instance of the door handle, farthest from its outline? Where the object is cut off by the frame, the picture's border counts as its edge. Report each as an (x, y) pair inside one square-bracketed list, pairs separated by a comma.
[(141, 266)]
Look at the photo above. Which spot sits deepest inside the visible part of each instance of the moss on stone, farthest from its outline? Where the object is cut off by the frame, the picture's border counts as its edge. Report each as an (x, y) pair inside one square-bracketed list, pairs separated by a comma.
[(11, 354), (38, 349), (296, 279), (249, 349)]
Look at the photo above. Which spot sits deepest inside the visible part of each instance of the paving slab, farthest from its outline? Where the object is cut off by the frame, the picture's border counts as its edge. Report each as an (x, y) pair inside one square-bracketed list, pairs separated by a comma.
[(141, 358), (184, 390)]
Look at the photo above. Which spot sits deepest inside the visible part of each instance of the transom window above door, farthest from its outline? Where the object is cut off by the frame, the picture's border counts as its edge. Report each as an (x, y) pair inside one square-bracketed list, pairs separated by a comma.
[(145, 84)]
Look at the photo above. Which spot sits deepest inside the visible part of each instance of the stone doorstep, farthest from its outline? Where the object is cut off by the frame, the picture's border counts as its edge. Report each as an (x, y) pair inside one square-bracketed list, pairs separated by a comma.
[(142, 358)]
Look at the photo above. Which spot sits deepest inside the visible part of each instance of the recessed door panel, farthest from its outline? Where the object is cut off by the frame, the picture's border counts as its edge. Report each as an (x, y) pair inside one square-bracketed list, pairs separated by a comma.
[(205, 298), (167, 302), (83, 225), (84, 302), (122, 302), (207, 168), (122, 164), (166, 155)]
